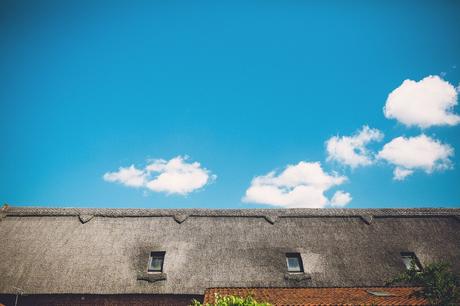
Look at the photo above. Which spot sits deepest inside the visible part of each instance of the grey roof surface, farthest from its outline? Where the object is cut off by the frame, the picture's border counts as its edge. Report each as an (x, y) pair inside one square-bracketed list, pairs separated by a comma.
[(105, 251)]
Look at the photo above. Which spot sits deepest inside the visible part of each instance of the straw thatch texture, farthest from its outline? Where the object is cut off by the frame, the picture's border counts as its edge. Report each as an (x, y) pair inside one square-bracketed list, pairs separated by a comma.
[(105, 251)]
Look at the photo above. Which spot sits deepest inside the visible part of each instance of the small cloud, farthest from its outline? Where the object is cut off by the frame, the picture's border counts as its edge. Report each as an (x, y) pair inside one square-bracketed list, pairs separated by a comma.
[(175, 176), (351, 150), (416, 153), (399, 174), (301, 185), (340, 199), (130, 176), (425, 103)]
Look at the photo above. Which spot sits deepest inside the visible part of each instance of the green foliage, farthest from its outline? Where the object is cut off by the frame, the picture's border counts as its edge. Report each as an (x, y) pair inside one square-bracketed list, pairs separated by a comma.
[(440, 286), (231, 300)]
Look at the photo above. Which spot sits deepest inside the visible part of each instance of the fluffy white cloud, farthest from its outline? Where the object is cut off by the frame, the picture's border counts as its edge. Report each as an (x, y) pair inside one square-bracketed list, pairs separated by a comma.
[(175, 176), (425, 103), (351, 150), (301, 185), (129, 176), (421, 152), (340, 199)]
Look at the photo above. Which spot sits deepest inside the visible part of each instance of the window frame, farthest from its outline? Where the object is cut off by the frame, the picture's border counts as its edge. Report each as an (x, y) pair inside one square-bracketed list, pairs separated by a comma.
[(156, 255), (413, 257), (299, 259)]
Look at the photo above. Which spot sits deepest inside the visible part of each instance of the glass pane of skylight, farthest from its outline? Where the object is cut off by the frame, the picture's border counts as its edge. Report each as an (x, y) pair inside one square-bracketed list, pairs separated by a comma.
[(293, 264), (155, 264), (407, 261), (410, 259)]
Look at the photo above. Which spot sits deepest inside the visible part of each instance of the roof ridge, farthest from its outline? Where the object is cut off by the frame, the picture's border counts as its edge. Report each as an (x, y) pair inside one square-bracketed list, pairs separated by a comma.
[(205, 212)]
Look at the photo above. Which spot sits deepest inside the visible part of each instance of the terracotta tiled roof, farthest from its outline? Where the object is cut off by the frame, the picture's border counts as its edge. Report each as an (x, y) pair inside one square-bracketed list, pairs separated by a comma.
[(325, 296)]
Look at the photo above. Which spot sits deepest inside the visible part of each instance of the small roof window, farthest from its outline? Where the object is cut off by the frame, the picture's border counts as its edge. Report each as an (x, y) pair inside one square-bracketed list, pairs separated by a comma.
[(409, 259), (156, 261), (294, 262)]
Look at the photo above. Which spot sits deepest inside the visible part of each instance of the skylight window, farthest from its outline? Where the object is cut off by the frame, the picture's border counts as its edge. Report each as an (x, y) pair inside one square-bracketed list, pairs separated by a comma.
[(294, 262), (156, 261), (409, 259)]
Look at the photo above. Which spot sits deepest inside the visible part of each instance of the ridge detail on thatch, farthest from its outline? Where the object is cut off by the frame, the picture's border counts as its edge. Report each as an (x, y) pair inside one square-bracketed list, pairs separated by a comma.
[(268, 214), (180, 218), (85, 218), (3, 211), (367, 219), (271, 218)]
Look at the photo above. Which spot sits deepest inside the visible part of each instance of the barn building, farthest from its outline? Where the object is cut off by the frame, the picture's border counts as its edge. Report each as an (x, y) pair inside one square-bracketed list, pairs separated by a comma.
[(69, 256)]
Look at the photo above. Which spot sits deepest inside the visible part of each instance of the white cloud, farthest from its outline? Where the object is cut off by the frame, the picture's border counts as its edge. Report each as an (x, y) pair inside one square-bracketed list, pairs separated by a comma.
[(416, 153), (399, 174), (340, 199), (130, 176), (175, 176), (301, 185), (425, 103), (351, 150)]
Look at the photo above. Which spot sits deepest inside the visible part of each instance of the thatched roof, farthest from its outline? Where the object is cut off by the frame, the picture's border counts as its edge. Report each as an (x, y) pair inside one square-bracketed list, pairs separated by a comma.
[(105, 251)]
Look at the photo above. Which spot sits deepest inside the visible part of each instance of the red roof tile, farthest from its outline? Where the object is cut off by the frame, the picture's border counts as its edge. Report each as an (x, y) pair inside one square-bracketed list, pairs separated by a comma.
[(324, 296)]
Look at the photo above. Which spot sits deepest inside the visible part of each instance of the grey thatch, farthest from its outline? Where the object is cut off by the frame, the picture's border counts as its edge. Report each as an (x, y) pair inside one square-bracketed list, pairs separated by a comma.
[(105, 251)]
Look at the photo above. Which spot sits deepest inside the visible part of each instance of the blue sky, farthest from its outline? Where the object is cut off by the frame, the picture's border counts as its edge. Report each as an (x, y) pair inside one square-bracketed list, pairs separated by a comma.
[(242, 88)]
